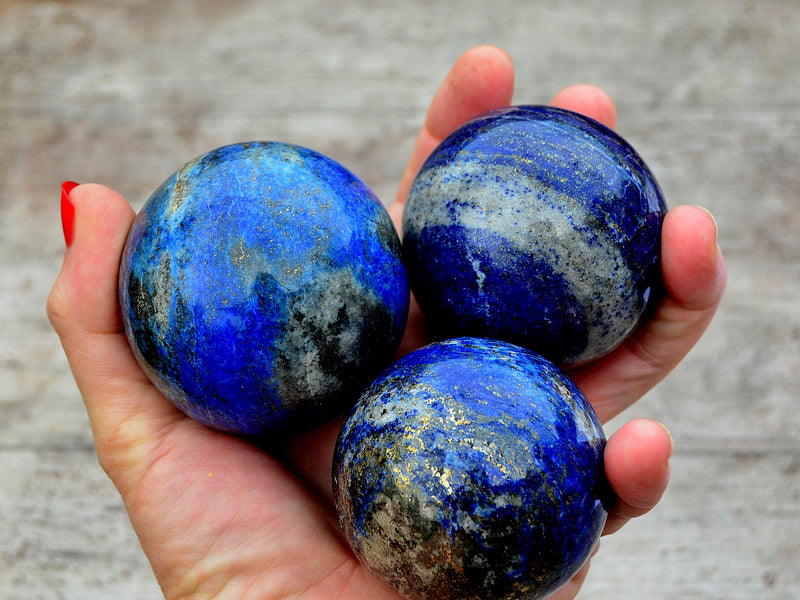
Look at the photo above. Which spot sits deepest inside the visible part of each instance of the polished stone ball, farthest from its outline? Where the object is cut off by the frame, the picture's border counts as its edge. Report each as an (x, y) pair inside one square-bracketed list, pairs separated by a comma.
[(262, 288), (538, 226), (472, 469)]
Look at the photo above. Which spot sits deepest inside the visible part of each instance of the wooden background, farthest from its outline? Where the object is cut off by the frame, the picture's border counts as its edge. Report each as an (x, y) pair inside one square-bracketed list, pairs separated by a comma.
[(124, 92)]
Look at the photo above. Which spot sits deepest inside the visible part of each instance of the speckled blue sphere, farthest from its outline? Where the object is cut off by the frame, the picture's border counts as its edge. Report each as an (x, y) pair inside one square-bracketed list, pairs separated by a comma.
[(472, 469), (262, 288), (537, 226)]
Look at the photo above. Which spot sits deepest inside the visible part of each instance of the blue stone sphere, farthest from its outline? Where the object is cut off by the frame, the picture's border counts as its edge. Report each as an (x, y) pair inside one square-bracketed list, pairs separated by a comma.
[(472, 469), (262, 288), (538, 226)]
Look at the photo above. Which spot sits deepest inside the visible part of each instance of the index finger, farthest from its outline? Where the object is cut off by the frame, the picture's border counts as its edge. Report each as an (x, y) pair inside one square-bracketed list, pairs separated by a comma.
[(481, 79)]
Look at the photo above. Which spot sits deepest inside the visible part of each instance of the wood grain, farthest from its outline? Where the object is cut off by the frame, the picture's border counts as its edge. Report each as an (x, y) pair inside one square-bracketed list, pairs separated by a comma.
[(125, 92)]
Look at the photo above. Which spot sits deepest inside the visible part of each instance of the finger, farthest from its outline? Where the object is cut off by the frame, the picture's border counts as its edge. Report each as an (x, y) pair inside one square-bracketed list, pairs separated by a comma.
[(637, 466), (82, 307), (481, 79), (588, 100), (690, 254), (101, 223), (694, 277)]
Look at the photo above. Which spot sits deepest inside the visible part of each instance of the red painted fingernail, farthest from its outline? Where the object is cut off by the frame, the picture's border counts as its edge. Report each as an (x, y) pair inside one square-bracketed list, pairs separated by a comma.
[(67, 211)]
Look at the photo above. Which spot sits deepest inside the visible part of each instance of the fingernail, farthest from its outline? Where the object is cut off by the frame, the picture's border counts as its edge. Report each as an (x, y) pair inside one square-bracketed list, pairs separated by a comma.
[(671, 439), (711, 216), (67, 211), (722, 272)]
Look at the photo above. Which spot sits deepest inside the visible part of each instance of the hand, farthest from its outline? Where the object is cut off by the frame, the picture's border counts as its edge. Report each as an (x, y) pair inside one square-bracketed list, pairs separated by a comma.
[(219, 517)]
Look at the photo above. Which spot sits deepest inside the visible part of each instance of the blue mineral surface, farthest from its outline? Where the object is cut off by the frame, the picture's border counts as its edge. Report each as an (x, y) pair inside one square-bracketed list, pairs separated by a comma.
[(472, 469), (537, 226), (262, 288)]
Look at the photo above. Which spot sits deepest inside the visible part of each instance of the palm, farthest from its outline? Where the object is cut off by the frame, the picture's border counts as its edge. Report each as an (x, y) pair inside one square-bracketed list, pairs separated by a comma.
[(224, 515), (219, 516)]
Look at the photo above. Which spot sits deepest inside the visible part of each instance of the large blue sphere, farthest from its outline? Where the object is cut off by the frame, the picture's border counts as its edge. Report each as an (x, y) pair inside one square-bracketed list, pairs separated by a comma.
[(538, 226), (262, 288), (472, 469)]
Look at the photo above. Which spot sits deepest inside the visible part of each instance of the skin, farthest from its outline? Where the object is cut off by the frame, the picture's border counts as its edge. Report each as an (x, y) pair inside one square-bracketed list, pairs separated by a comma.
[(221, 518)]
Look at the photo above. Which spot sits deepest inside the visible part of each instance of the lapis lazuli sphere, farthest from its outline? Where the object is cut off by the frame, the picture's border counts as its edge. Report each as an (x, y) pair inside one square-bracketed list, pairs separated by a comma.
[(472, 469), (262, 288), (537, 226)]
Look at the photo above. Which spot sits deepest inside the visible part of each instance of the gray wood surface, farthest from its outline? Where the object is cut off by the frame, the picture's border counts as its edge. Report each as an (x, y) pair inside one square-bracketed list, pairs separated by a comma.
[(124, 92)]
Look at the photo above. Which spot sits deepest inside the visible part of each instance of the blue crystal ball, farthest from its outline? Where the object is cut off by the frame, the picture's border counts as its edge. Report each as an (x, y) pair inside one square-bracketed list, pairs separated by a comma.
[(262, 288), (472, 469), (538, 226)]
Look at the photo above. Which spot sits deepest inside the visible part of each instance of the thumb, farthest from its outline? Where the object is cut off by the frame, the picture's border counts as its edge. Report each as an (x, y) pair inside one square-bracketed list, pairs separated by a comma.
[(84, 297), (83, 309)]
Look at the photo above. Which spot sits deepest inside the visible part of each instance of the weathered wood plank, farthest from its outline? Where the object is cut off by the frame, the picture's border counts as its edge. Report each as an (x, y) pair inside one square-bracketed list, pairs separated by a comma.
[(125, 92)]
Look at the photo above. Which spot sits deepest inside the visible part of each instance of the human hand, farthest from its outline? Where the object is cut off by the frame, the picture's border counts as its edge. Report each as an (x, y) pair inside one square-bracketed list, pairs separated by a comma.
[(218, 516), (636, 456)]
